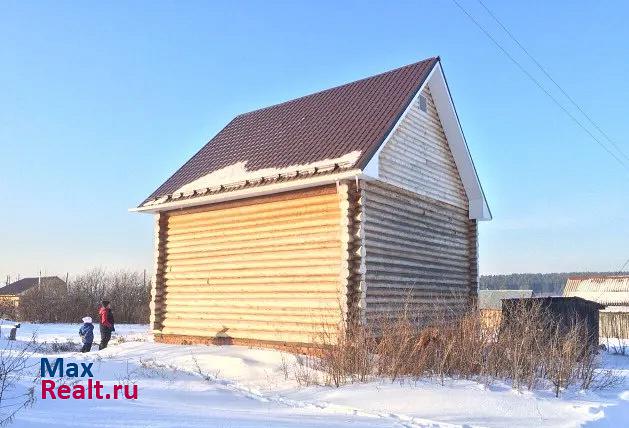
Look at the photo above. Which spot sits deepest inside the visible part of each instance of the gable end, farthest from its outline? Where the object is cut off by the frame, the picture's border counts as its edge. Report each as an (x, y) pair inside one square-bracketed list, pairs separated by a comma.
[(426, 152)]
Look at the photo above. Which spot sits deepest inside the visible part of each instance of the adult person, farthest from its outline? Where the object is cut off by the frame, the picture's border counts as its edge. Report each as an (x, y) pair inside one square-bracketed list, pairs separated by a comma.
[(106, 323)]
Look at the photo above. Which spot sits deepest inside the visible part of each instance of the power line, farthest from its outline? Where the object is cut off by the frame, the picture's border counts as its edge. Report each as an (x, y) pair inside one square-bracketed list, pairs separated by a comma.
[(539, 85), (547, 74), (563, 91)]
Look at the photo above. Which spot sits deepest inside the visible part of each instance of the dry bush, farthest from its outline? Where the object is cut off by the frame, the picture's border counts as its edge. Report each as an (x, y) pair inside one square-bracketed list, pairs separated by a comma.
[(58, 347), (341, 356), (530, 350), (16, 363), (350, 358), (8, 309), (307, 370)]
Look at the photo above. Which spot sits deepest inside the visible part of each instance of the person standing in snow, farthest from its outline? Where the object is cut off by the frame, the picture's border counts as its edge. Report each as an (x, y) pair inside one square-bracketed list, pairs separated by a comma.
[(106, 323), (87, 334)]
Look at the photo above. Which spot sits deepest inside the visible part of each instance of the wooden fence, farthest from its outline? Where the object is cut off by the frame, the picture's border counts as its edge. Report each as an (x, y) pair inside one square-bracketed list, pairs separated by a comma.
[(611, 324), (614, 324)]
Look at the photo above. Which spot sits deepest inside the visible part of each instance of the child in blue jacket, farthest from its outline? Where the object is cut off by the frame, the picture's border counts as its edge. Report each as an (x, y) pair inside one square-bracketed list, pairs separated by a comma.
[(87, 334)]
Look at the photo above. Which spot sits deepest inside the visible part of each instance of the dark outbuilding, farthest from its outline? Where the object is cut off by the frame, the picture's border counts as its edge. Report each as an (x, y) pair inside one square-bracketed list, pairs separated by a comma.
[(566, 311)]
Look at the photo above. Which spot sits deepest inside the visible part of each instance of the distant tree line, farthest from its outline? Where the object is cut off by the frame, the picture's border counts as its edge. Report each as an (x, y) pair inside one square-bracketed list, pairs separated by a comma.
[(129, 294), (540, 283)]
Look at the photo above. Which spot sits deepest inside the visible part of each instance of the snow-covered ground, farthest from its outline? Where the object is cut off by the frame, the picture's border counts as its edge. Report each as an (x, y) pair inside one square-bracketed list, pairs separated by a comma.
[(62, 333), (234, 386)]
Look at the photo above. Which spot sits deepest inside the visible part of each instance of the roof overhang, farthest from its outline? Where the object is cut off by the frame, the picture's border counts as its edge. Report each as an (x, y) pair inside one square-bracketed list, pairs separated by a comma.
[(249, 192), (436, 82)]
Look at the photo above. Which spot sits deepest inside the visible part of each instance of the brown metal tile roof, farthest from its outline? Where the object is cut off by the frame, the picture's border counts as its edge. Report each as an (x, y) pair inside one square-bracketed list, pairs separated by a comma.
[(326, 125)]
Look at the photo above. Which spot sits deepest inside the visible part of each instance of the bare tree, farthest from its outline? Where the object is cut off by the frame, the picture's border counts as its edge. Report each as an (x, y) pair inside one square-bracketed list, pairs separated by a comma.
[(128, 292)]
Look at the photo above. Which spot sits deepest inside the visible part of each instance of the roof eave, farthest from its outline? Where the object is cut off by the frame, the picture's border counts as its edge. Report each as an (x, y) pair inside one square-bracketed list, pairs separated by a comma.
[(249, 192), (478, 206)]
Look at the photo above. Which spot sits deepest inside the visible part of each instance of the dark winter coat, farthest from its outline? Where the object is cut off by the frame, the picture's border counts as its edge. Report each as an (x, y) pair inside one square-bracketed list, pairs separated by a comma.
[(87, 332), (106, 318)]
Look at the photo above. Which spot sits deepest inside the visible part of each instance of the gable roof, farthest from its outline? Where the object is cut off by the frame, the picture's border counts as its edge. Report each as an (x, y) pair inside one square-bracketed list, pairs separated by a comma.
[(492, 299), (314, 140), (327, 125), (24, 284), (604, 289)]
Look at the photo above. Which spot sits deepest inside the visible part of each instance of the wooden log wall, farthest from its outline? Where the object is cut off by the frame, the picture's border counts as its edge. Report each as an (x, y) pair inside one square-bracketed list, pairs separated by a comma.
[(269, 268), (159, 256), (472, 234), (356, 285), (420, 255), (418, 158), (344, 221)]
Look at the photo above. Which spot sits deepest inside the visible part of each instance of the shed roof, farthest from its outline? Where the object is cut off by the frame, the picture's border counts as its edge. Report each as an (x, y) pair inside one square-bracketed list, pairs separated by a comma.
[(492, 299), (604, 289), (24, 284)]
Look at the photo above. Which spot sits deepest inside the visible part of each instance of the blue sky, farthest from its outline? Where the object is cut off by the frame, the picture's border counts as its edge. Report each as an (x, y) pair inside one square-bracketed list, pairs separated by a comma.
[(102, 102)]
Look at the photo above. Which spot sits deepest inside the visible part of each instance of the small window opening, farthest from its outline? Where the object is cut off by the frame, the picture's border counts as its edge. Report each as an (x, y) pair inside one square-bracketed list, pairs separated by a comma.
[(422, 103)]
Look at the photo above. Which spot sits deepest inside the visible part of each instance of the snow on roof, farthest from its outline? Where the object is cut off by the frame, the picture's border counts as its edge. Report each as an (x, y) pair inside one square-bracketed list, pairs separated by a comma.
[(603, 289)]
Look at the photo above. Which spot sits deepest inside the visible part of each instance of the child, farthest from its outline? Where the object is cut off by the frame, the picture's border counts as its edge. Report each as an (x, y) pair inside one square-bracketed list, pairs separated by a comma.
[(87, 334)]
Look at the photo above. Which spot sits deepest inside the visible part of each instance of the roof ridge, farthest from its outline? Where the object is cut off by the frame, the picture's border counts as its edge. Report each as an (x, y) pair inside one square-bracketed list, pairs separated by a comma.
[(598, 276), (37, 277), (427, 60)]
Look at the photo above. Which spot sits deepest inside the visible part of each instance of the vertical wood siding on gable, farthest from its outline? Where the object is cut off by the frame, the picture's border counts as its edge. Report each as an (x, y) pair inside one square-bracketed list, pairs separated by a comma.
[(270, 268), (418, 158), (420, 255)]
